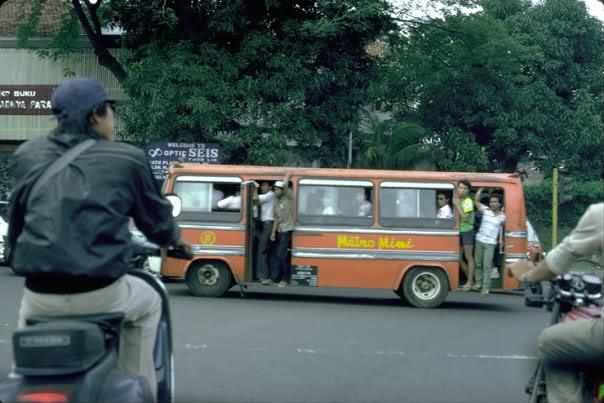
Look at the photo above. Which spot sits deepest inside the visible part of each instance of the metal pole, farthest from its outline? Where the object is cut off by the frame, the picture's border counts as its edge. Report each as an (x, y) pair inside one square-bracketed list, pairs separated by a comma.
[(555, 208), (350, 149)]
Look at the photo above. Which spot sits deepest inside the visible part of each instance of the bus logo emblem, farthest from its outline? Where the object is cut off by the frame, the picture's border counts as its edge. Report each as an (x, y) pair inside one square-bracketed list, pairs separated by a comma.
[(207, 238)]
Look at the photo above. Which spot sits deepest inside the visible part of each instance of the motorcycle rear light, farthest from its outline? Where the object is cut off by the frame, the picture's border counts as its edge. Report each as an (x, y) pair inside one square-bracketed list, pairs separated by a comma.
[(43, 397)]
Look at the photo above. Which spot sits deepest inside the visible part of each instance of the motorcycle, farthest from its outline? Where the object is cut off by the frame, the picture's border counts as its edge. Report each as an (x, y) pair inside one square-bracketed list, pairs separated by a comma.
[(572, 296), (65, 359)]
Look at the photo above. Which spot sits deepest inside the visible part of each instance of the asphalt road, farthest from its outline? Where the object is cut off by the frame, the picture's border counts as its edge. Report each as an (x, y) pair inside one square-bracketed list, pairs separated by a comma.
[(338, 346)]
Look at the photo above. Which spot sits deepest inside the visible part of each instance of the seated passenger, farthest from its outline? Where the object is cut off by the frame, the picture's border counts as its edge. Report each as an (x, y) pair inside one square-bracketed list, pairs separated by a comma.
[(444, 209), (328, 206), (231, 202), (217, 195), (364, 205)]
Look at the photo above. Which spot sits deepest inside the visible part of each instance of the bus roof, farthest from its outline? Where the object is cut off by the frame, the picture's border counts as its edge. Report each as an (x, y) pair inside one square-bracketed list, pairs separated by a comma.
[(260, 171)]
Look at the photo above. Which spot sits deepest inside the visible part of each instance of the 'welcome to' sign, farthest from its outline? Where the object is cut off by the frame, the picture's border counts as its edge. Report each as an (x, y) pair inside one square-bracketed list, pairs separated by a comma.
[(161, 155)]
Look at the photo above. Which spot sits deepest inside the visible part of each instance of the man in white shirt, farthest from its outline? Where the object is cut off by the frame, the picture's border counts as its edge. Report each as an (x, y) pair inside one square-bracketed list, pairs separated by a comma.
[(567, 346), (266, 201), (444, 210), (231, 202)]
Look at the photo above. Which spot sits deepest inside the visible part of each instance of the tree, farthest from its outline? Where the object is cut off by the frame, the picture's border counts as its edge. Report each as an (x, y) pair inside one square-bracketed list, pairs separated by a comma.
[(387, 144), (566, 90), (513, 82), (237, 72)]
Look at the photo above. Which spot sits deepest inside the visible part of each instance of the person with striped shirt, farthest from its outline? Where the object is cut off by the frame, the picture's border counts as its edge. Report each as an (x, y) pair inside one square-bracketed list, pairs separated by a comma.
[(486, 240)]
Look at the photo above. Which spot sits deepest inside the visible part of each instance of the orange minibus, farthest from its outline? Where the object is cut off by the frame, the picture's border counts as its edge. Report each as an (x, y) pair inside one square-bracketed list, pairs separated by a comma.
[(399, 244)]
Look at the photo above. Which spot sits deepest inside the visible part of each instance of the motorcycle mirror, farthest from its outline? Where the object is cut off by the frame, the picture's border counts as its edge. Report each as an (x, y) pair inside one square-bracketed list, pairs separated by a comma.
[(176, 204)]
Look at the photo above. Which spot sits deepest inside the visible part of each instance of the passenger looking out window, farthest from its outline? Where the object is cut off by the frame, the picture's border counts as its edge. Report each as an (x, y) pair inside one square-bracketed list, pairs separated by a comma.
[(364, 204), (444, 209)]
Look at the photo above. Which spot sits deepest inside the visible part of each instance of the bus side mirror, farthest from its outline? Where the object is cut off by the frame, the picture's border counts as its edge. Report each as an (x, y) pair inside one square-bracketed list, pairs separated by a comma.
[(176, 204)]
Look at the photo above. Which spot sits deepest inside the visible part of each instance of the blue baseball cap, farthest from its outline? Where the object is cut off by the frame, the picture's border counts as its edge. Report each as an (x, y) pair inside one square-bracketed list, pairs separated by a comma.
[(77, 97)]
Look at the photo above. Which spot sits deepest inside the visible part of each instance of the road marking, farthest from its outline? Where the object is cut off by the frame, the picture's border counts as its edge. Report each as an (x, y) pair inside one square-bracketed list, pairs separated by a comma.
[(495, 357), (378, 353), (201, 347), (391, 353), (306, 350)]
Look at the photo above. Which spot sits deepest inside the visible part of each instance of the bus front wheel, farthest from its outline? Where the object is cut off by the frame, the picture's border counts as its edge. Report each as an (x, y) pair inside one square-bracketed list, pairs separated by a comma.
[(425, 287), (209, 279)]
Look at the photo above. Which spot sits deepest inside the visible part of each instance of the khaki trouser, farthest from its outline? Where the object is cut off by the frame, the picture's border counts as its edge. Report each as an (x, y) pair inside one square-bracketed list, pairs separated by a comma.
[(566, 348), (136, 299), (483, 260)]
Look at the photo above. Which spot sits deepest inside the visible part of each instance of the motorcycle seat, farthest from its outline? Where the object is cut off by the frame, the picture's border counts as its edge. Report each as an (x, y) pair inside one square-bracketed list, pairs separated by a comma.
[(110, 318)]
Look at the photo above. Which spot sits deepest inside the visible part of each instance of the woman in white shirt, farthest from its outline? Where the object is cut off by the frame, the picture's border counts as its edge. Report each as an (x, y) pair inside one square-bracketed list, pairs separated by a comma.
[(444, 210), (486, 240)]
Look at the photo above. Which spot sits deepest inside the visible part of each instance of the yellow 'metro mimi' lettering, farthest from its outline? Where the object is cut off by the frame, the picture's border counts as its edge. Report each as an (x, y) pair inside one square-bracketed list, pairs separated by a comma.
[(345, 241), (385, 242)]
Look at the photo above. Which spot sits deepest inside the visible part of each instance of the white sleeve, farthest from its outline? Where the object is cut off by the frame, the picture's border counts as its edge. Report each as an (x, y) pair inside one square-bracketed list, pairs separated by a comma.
[(264, 198), (224, 203), (584, 241)]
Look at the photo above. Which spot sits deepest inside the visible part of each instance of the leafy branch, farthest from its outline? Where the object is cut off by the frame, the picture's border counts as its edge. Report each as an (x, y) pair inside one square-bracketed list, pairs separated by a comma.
[(92, 28)]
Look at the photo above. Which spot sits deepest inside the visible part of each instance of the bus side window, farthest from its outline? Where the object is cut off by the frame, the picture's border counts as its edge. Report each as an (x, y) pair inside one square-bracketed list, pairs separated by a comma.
[(332, 202), (412, 205)]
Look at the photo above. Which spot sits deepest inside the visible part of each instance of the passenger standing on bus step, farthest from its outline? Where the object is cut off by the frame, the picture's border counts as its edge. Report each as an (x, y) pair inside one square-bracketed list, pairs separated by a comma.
[(283, 227), (266, 201), (486, 240), (465, 208)]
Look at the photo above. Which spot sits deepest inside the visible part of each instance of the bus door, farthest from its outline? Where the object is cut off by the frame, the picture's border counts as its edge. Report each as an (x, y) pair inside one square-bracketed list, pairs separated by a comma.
[(211, 220), (249, 190)]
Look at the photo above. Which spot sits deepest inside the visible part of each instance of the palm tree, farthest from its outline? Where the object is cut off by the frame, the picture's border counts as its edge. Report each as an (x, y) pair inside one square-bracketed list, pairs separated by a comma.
[(388, 144)]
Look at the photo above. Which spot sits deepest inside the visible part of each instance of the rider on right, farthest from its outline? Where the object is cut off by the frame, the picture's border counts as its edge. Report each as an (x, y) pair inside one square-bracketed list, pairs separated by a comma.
[(566, 347)]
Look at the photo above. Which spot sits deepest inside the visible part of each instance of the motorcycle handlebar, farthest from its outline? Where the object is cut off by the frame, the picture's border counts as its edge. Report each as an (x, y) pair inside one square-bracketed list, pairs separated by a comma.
[(145, 248)]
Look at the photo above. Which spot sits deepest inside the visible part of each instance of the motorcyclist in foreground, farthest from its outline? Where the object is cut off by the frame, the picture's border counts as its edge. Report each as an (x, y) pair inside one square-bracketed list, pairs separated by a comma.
[(71, 240), (566, 347)]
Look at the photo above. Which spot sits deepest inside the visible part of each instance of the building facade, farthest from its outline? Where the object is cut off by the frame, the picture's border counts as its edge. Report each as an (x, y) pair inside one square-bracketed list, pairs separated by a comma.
[(27, 79)]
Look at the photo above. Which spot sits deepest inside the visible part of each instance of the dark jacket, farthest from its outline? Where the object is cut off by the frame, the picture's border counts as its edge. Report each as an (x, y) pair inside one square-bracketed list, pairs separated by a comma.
[(73, 235)]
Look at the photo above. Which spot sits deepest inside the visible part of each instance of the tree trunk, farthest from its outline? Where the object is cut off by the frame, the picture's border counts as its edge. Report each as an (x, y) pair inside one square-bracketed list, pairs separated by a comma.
[(105, 58)]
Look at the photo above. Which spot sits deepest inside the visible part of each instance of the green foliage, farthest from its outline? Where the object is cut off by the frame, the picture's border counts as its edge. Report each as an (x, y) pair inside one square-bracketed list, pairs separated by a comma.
[(386, 144), (573, 202), (29, 27), (517, 79), (237, 72), (250, 72), (6, 181)]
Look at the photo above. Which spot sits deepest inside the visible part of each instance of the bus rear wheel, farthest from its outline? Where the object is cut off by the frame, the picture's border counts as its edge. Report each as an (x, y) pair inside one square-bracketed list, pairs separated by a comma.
[(425, 287), (209, 279)]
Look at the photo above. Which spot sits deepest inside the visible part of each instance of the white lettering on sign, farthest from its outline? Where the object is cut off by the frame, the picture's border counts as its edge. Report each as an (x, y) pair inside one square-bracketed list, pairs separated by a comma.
[(203, 152), (21, 94), (39, 105), (13, 105), (4, 93)]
